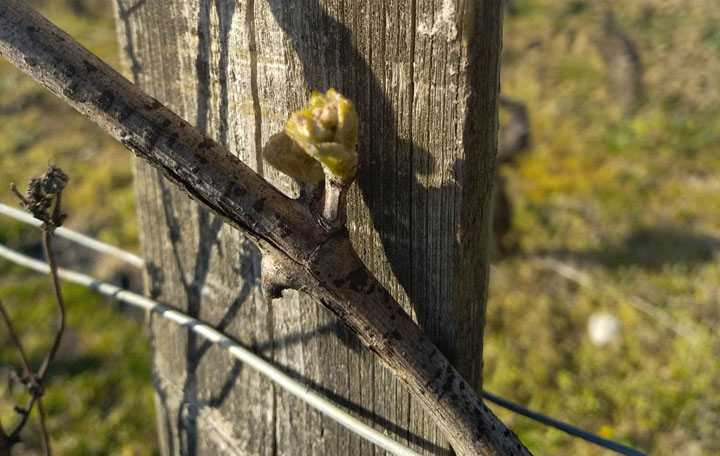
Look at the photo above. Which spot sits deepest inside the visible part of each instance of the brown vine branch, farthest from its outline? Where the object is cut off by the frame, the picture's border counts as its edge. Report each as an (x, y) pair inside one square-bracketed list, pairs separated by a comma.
[(31, 381), (15, 339), (47, 236), (8, 440), (4, 442), (44, 200), (309, 256), (47, 449)]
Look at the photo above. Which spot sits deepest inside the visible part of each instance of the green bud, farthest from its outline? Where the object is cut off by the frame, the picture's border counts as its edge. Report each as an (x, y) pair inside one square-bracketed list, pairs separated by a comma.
[(288, 158), (327, 130)]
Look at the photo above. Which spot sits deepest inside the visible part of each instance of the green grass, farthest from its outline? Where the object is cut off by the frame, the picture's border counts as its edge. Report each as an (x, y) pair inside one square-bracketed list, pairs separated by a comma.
[(99, 397), (46, 130), (631, 204)]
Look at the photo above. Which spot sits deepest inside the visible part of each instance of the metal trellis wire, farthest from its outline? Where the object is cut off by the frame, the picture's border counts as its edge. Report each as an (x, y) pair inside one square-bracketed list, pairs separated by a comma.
[(294, 387), (74, 236), (301, 391)]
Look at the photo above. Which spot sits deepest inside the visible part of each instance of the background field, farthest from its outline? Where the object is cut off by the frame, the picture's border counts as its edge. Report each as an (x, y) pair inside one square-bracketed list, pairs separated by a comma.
[(99, 397), (615, 212)]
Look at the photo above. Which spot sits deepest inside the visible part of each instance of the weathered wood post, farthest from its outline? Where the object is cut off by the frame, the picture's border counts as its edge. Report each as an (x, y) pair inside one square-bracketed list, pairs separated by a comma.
[(425, 80)]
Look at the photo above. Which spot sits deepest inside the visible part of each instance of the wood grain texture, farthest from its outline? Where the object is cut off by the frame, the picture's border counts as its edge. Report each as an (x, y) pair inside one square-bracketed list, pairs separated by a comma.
[(211, 407), (180, 52), (417, 216)]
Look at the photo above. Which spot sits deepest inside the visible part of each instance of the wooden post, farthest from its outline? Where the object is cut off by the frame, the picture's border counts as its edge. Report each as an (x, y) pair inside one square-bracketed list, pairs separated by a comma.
[(424, 76)]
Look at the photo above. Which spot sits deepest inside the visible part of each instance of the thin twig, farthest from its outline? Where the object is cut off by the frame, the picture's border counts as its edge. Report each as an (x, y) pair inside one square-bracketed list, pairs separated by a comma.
[(24, 416), (44, 193), (8, 440), (15, 340), (4, 442), (47, 450), (47, 246), (23, 201), (28, 379)]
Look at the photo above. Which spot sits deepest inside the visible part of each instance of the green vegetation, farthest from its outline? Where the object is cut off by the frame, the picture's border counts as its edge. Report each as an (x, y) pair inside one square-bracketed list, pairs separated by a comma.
[(628, 204), (632, 203), (99, 398), (36, 128)]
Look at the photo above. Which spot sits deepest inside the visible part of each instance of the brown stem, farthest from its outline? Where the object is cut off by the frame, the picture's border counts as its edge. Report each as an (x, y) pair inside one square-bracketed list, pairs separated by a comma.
[(19, 195), (47, 449), (47, 246), (5, 445), (27, 370), (28, 376), (46, 188), (24, 416)]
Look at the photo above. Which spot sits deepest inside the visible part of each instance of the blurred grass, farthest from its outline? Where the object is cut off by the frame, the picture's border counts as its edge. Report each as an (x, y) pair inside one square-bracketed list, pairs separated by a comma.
[(38, 129), (99, 398), (632, 202)]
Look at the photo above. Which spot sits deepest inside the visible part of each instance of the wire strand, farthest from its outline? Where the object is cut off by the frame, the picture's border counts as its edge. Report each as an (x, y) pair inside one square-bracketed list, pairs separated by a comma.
[(301, 391), (557, 424), (74, 236), (294, 387)]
